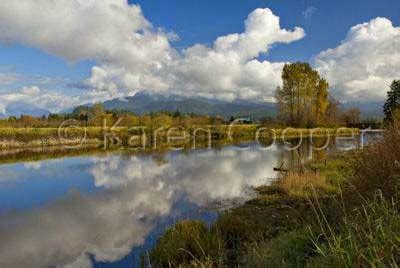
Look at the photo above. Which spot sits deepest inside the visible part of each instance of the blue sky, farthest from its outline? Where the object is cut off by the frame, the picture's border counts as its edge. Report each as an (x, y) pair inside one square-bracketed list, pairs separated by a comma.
[(325, 23), (201, 21)]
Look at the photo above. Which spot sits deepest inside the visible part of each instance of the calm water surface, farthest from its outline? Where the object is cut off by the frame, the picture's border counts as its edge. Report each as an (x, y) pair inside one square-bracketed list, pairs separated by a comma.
[(104, 211)]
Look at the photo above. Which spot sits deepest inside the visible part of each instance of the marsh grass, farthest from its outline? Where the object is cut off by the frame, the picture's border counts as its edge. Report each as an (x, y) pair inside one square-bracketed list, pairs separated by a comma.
[(366, 232), (11, 137), (44, 137), (302, 184), (189, 243), (367, 236), (317, 132), (291, 249), (337, 168)]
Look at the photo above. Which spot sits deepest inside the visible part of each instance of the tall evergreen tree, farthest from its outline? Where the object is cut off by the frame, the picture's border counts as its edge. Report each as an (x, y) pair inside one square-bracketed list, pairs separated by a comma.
[(392, 103)]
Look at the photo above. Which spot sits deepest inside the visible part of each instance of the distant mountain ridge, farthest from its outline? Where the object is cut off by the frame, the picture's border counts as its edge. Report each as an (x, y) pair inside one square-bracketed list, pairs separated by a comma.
[(143, 102), (368, 109)]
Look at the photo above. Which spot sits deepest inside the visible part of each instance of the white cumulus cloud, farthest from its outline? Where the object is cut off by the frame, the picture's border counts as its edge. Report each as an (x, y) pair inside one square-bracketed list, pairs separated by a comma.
[(80, 29), (227, 70), (132, 55), (365, 63)]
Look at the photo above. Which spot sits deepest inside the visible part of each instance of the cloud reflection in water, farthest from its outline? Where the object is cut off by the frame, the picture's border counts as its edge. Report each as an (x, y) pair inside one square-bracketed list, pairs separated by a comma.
[(136, 192)]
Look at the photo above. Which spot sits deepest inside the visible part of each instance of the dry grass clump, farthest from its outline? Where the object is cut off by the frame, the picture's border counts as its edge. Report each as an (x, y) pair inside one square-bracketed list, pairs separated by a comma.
[(303, 184), (8, 144)]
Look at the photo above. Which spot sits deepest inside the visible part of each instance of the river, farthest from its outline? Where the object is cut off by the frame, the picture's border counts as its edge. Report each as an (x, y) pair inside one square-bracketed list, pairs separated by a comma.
[(106, 210)]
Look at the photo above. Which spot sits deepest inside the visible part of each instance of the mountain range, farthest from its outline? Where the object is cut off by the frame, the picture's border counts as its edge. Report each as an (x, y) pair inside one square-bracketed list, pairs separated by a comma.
[(368, 109), (143, 102)]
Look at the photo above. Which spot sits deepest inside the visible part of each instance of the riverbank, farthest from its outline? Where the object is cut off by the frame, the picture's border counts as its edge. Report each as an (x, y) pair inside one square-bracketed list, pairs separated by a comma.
[(40, 153), (341, 211), (75, 136)]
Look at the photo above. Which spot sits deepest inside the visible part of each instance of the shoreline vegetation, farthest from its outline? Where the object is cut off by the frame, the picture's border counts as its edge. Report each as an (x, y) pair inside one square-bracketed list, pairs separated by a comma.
[(32, 154), (35, 137), (341, 211)]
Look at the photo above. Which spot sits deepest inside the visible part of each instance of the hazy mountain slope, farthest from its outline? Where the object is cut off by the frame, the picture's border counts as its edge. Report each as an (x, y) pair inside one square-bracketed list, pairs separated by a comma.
[(143, 103), (368, 109)]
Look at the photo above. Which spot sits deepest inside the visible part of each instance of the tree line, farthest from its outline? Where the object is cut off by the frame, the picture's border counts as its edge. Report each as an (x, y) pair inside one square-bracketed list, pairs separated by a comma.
[(96, 116)]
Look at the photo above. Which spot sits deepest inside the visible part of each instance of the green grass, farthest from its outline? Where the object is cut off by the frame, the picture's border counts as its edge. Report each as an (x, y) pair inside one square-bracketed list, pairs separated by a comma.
[(291, 249), (187, 244), (366, 236)]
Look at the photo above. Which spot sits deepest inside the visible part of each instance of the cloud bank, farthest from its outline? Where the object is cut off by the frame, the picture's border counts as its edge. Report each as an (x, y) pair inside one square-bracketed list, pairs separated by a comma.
[(81, 29), (363, 66)]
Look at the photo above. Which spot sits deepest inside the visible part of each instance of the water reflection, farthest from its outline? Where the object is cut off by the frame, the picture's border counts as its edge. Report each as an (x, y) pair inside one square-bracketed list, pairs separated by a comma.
[(202, 177), (136, 191), (132, 195)]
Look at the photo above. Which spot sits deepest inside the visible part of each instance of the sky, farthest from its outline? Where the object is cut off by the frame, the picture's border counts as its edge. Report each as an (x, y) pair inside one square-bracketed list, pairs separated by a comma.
[(59, 54)]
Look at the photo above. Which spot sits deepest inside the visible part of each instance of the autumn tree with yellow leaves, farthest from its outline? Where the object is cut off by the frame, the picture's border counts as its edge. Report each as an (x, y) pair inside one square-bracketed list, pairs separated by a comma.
[(303, 97)]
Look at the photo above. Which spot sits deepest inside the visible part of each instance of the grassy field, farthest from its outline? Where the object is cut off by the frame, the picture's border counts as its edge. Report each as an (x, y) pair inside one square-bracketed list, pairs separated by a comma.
[(43, 137), (342, 211)]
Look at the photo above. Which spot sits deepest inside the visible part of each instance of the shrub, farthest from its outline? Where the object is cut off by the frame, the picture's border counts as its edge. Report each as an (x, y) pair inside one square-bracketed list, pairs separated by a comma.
[(377, 167)]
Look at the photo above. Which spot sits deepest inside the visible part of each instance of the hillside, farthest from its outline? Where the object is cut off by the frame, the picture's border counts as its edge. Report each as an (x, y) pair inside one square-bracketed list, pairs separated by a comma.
[(143, 102)]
